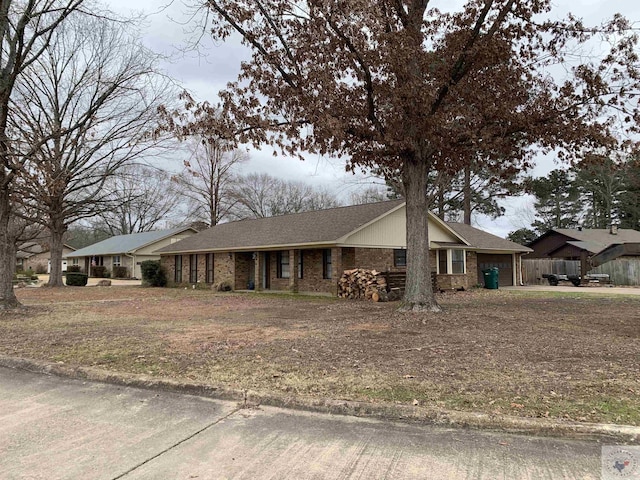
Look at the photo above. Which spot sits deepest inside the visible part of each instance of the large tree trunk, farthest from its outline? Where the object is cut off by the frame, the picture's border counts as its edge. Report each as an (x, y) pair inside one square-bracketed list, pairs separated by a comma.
[(7, 254), (466, 195), (418, 294), (57, 229)]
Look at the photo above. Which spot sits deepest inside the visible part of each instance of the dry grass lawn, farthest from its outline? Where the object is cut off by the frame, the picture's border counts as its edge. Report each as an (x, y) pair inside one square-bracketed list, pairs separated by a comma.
[(544, 355)]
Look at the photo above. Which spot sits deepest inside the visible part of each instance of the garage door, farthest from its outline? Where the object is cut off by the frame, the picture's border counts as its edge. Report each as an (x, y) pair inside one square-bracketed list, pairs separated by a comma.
[(504, 262)]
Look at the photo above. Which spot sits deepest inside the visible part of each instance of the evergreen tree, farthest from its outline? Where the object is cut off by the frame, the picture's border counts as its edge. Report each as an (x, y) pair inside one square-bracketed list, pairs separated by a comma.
[(599, 181), (629, 201), (557, 200)]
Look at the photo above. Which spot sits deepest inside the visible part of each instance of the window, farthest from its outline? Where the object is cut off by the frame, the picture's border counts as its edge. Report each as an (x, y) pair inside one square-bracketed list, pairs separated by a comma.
[(283, 264), (75, 261), (178, 271), (451, 261), (326, 263), (399, 257), (457, 261), (209, 267), (193, 268), (442, 262), (300, 264), (115, 260)]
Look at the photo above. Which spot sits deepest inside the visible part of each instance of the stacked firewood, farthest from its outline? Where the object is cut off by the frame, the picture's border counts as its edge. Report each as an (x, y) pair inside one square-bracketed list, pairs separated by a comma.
[(365, 284)]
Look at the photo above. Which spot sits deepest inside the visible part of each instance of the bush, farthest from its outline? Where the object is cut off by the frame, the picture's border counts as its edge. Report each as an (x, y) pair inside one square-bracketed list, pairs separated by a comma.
[(120, 272), (76, 279), (153, 274), (100, 271), (41, 268), (73, 268)]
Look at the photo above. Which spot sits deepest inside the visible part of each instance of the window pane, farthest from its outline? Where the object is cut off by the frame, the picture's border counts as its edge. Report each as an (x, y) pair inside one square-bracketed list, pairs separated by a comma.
[(193, 268), (326, 263), (178, 269), (283, 264), (457, 261), (399, 258), (442, 261)]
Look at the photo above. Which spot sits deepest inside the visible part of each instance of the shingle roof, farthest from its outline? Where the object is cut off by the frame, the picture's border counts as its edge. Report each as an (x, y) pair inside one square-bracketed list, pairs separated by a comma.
[(484, 240), (308, 228), (125, 243), (316, 227), (28, 249), (597, 239)]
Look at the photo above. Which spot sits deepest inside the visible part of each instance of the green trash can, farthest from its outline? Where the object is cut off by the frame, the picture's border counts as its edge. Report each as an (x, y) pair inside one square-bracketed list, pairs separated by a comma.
[(491, 278)]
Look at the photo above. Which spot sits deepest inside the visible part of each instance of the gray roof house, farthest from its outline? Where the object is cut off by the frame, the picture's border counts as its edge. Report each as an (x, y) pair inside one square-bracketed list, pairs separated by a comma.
[(319, 245), (127, 251)]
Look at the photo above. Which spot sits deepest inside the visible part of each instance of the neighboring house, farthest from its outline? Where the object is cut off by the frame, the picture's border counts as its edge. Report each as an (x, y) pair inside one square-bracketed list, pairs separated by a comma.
[(614, 251), (573, 244), (35, 256), (127, 250), (307, 252)]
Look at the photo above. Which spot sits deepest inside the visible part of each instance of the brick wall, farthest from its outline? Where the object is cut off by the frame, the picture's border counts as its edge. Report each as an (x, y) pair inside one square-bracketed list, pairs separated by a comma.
[(279, 283), (238, 269), (312, 280), (472, 268), (243, 266), (168, 262), (224, 268)]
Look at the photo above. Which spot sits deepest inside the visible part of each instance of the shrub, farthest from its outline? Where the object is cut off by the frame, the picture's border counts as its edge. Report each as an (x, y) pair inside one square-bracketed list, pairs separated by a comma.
[(153, 274), (41, 268), (99, 271), (76, 279), (73, 268), (120, 272)]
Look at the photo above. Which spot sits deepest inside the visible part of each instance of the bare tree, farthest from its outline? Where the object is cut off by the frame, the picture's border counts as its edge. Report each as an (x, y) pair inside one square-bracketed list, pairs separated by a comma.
[(261, 195), (370, 194), (142, 198), (26, 28), (208, 178), (87, 107)]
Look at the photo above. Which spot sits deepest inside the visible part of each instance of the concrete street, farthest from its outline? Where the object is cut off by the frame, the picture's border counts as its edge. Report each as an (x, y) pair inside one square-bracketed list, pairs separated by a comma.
[(56, 428)]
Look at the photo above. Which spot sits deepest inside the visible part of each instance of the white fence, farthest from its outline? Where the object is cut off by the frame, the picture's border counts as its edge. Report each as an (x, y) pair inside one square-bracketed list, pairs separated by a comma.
[(621, 271)]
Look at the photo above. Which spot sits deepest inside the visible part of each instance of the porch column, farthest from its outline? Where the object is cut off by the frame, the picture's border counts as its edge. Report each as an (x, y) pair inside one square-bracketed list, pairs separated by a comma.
[(294, 255), (258, 267), (584, 267), (337, 267)]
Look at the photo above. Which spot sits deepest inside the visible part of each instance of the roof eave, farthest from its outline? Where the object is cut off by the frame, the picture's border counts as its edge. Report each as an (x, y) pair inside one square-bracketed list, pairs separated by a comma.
[(254, 248)]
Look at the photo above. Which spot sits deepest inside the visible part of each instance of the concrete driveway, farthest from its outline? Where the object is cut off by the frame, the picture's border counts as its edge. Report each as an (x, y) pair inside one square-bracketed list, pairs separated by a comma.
[(572, 289), (54, 428), (43, 279)]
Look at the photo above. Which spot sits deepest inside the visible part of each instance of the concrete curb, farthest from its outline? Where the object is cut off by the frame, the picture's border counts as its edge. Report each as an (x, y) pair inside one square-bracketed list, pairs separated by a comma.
[(609, 433)]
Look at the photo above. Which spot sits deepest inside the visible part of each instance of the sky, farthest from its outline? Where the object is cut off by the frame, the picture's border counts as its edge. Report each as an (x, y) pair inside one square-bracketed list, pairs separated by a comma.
[(171, 29)]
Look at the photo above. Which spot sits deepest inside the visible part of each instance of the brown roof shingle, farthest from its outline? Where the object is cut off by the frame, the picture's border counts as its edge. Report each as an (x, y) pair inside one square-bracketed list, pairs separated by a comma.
[(316, 227), (484, 240), (597, 239)]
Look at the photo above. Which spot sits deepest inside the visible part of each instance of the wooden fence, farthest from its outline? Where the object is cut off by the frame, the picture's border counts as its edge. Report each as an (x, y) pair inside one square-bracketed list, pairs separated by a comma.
[(621, 271)]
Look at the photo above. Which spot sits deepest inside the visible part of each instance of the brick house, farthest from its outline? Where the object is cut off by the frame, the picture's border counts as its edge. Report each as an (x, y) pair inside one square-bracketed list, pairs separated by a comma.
[(127, 251), (307, 252), (35, 256)]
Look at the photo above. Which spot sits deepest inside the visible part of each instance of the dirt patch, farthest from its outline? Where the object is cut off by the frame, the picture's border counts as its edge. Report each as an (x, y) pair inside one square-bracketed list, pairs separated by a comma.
[(566, 357)]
